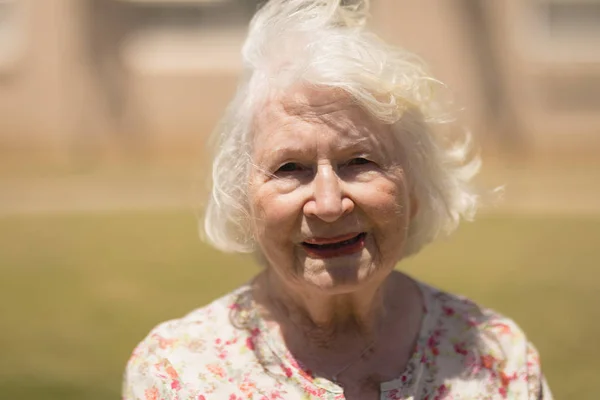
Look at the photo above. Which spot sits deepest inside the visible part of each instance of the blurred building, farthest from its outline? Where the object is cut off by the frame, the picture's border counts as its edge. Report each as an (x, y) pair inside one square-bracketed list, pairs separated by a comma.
[(78, 77)]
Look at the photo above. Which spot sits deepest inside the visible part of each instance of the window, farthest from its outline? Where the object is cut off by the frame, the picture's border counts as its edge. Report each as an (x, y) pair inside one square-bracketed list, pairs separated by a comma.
[(558, 42), (11, 32), (566, 30), (573, 20), (187, 35)]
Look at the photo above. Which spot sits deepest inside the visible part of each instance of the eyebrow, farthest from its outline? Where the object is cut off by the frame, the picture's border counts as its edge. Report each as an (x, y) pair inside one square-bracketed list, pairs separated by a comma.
[(290, 151)]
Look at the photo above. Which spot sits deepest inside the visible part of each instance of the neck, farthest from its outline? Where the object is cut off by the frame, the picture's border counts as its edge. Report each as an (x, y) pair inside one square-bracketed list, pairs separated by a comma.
[(324, 317)]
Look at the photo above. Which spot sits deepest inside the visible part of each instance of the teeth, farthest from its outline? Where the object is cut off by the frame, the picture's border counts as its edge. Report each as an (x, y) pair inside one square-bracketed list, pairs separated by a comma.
[(349, 241)]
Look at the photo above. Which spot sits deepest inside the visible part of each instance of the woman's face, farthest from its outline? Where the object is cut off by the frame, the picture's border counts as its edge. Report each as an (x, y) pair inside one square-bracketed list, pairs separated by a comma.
[(328, 192)]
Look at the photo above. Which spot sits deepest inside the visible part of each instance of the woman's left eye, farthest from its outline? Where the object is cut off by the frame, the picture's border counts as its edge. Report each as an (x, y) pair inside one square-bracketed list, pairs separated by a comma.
[(358, 161)]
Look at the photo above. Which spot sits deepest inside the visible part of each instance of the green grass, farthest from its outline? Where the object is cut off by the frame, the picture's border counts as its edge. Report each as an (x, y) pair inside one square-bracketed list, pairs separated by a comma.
[(79, 291)]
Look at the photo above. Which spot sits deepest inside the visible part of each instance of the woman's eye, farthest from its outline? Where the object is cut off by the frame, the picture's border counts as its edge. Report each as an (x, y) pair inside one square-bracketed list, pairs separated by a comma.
[(290, 167), (358, 161)]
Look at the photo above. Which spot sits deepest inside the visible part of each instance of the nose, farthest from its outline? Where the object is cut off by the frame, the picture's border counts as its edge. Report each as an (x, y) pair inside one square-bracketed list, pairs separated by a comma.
[(328, 202)]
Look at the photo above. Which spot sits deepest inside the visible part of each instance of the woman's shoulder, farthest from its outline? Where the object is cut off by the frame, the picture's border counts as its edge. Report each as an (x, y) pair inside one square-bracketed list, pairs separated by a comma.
[(196, 332), (459, 315), (211, 320), (196, 344), (468, 340)]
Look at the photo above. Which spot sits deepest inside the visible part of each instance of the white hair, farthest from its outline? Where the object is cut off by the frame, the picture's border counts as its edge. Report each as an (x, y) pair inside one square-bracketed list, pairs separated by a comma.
[(324, 43)]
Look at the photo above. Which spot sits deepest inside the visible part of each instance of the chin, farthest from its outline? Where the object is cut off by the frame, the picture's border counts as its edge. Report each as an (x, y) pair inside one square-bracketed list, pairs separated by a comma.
[(342, 274)]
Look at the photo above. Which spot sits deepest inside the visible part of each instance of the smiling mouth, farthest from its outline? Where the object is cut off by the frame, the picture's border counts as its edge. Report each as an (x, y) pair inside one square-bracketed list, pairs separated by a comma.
[(328, 248)]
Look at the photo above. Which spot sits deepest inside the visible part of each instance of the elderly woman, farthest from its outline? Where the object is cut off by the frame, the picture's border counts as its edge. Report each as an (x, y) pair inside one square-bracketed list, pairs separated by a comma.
[(327, 171)]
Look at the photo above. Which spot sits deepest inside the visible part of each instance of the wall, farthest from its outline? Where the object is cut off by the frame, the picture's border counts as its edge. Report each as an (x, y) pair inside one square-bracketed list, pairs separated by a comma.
[(103, 79)]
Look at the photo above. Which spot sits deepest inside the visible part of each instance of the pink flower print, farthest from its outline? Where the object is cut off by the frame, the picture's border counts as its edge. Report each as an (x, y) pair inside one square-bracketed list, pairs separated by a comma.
[(151, 394), (175, 385), (250, 343), (171, 372), (163, 343), (502, 392), (487, 361), (432, 344), (275, 395), (306, 374), (506, 379), (448, 310), (295, 363), (472, 364), (460, 348), (441, 392), (431, 341), (216, 370), (504, 328), (314, 391), (247, 387)]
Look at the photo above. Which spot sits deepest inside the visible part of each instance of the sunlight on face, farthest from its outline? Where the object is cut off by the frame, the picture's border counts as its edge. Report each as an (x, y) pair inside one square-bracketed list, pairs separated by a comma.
[(328, 192)]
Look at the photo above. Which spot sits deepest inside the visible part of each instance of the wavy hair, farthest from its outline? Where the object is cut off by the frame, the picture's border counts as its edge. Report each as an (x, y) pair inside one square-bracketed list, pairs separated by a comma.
[(325, 43)]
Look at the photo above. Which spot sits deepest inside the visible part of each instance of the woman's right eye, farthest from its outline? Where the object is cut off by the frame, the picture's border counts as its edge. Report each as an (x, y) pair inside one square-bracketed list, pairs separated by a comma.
[(290, 167)]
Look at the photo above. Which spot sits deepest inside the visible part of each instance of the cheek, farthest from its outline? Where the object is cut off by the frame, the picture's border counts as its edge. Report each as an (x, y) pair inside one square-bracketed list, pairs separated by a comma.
[(274, 214), (387, 202), (387, 207), (275, 224)]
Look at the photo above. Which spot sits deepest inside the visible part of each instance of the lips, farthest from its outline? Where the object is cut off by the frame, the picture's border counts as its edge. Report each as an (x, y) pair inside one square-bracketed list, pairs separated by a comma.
[(336, 246)]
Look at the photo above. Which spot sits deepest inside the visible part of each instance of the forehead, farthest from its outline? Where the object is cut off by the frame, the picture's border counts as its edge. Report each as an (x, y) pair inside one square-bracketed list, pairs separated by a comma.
[(307, 114)]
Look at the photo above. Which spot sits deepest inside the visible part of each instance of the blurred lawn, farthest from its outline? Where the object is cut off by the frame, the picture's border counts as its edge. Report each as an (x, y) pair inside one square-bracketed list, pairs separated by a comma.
[(79, 291)]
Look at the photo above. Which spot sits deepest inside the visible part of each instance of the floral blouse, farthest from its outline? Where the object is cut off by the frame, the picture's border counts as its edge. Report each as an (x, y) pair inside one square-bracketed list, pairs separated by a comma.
[(224, 351)]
